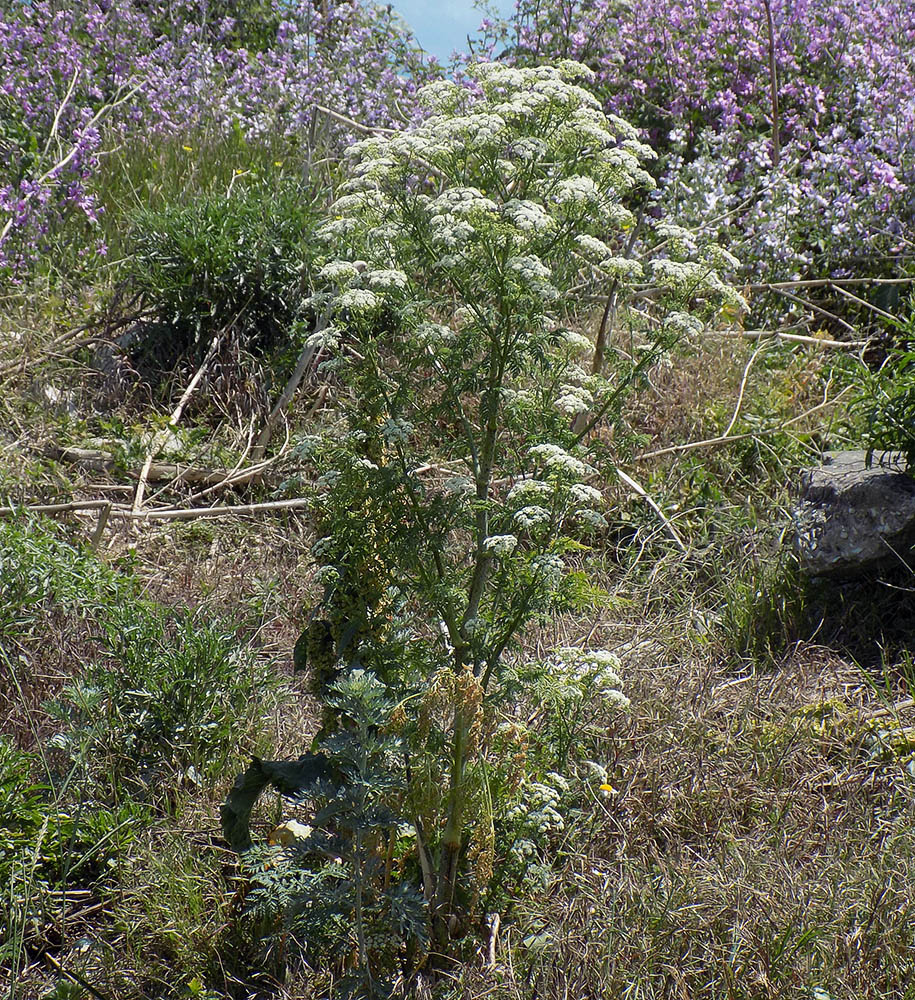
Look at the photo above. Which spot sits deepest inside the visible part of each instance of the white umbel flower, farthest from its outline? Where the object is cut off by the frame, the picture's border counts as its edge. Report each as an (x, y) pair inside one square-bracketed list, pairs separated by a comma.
[(577, 191), (532, 516), (530, 489), (549, 568), (528, 216), (339, 271), (386, 278), (358, 300), (557, 459), (500, 545)]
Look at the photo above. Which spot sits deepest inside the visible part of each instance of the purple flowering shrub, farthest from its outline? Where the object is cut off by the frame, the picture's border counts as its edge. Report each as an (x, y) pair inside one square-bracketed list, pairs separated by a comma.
[(696, 75), (77, 80)]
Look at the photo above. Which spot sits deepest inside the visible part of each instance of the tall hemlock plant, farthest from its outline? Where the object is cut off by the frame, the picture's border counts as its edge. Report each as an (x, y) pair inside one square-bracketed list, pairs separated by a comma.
[(456, 484)]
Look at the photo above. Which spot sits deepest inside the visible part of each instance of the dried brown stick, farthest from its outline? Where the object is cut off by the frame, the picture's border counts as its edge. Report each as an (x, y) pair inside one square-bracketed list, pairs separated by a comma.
[(715, 441), (159, 513), (159, 438), (191, 513), (796, 338), (641, 491), (811, 305), (862, 302), (900, 706), (55, 508), (743, 389), (229, 473), (173, 472), (301, 366), (824, 282)]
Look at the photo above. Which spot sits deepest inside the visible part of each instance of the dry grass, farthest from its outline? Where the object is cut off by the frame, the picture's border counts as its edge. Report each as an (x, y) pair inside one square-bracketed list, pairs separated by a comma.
[(759, 843), (755, 847)]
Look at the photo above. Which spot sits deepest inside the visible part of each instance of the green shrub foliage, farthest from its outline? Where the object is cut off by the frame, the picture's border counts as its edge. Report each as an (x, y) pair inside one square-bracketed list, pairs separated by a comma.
[(230, 267)]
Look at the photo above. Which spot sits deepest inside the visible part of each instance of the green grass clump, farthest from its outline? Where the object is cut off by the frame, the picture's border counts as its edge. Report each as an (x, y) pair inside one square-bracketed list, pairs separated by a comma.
[(232, 265), (118, 710)]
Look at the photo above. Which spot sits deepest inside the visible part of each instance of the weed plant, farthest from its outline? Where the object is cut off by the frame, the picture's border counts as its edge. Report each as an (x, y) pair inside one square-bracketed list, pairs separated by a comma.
[(106, 743), (229, 267)]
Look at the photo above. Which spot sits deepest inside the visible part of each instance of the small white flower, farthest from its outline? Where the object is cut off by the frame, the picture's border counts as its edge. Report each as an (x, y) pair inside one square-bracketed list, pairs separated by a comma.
[(449, 231), (464, 315), (549, 568), (673, 232), (615, 698), (530, 489), (558, 781), (683, 323), (556, 459), (583, 493), (328, 337), (376, 169), (441, 93), (523, 849), (500, 545), (339, 271), (459, 486), (358, 300), (623, 268), (515, 398), (588, 658), (337, 229), (574, 400), (460, 201), (528, 216), (597, 771), (578, 191), (528, 148), (576, 341), (678, 275), (433, 333), (386, 278), (718, 257), (531, 517), (591, 519), (592, 247), (531, 269)]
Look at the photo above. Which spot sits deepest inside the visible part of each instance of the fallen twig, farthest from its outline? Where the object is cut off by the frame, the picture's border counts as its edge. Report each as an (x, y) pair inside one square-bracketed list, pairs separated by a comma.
[(370, 129), (640, 490), (797, 338), (823, 282), (159, 438), (56, 508), (189, 513), (811, 305), (881, 713), (712, 442), (156, 514), (861, 302), (302, 365), (172, 472), (742, 390)]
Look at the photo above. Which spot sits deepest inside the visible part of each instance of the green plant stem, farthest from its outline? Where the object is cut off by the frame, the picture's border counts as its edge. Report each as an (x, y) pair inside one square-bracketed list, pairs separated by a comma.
[(450, 847)]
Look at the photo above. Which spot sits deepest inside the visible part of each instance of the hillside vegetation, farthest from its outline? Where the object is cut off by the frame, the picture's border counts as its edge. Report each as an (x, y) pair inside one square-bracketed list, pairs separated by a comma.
[(397, 588)]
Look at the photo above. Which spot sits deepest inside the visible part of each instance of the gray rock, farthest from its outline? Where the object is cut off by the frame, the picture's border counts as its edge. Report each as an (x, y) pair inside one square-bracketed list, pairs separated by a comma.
[(851, 516)]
